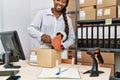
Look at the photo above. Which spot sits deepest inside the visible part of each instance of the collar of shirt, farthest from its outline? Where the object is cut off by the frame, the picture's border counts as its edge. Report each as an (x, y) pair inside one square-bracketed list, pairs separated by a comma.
[(49, 12)]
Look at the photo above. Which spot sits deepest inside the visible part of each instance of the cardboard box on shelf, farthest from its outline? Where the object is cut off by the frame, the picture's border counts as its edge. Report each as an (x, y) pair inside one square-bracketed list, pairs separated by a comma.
[(87, 13), (71, 5), (108, 57), (45, 57), (79, 57), (104, 65), (107, 3), (72, 17), (108, 12), (85, 3), (71, 53)]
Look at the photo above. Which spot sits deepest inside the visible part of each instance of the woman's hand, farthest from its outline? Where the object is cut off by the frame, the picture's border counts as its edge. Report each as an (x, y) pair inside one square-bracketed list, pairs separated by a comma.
[(46, 38)]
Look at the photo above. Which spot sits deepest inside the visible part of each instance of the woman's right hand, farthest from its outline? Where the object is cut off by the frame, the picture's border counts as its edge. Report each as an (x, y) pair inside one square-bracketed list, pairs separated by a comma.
[(46, 38)]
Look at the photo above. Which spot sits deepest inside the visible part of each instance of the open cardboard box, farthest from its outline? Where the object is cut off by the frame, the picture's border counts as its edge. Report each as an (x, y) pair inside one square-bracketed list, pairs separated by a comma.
[(45, 57)]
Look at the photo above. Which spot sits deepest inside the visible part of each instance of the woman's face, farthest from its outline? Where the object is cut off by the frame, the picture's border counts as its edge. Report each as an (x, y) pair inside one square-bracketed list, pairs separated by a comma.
[(59, 4)]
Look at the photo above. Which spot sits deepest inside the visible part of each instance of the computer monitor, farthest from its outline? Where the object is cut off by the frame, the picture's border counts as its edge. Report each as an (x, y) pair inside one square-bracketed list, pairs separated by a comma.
[(11, 44)]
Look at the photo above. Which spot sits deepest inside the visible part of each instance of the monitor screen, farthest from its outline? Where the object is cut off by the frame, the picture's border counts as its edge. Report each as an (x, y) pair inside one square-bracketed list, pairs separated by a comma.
[(10, 41)]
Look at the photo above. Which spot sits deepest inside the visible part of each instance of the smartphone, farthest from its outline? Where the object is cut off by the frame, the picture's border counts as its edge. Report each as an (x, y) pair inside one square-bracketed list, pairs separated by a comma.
[(14, 78)]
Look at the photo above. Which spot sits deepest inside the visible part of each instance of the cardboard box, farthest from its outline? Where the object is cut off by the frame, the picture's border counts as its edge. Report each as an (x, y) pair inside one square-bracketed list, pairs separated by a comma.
[(107, 3), (71, 53), (87, 13), (86, 3), (72, 17), (108, 57), (108, 12), (71, 6), (112, 66), (45, 57)]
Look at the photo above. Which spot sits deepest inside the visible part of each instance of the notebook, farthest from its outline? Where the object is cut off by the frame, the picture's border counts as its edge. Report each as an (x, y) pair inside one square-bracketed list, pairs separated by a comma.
[(65, 73)]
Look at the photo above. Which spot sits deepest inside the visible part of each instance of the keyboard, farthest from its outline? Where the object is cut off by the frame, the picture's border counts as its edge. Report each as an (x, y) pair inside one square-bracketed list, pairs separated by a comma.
[(8, 72)]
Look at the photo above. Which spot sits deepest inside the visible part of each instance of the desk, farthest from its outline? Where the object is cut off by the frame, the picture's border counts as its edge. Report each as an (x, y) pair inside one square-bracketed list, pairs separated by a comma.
[(28, 72)]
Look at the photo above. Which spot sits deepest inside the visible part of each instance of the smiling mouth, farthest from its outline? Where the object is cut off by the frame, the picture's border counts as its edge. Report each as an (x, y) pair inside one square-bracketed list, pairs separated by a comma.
[(59, 7)]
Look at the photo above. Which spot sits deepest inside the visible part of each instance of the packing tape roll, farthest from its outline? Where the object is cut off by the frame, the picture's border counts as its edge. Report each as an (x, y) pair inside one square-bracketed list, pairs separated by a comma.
[(64, 35)]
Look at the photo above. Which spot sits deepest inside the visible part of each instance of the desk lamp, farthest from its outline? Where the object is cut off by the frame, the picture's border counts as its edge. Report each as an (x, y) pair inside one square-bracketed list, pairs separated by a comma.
[(95, 55)]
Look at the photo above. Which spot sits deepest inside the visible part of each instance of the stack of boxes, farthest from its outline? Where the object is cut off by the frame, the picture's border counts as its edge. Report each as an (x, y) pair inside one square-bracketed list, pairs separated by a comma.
[(87, 10), (108, 9), (71, 10), (96, 9)]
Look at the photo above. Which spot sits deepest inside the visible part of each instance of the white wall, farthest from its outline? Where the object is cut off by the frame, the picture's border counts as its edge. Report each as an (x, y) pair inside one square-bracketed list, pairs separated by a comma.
[(37, 5), (0, 14), (1, 47), (17, 15)]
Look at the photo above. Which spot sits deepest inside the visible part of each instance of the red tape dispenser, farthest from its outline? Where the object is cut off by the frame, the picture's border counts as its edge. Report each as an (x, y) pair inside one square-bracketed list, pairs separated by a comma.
[(57, 40)]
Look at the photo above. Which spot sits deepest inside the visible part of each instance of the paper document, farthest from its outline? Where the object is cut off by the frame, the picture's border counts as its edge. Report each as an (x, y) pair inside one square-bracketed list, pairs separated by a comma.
[(65, 73)]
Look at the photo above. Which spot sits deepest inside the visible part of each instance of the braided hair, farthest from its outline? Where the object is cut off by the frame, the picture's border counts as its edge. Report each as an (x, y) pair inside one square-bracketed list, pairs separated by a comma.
[(65, 19)]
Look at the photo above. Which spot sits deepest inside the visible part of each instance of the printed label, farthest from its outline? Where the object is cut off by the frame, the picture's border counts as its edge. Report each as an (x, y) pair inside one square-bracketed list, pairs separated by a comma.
[(82, 15), (99, 2), (107, 12), (33, 58), (82, 1), (108, 21), (79, 56), (99, 12)]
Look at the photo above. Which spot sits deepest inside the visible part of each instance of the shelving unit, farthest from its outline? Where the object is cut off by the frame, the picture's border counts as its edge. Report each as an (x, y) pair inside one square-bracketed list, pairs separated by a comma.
[(76, 32), (98, 24)]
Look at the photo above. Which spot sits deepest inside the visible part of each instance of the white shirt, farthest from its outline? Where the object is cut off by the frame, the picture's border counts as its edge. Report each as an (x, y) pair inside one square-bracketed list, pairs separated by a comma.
[(46, 23)]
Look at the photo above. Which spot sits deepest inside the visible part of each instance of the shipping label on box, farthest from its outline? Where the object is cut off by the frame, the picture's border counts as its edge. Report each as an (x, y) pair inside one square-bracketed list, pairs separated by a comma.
[(82, 15), (33, 58), (87, 13), (107, 3), (99, 12), (99, 2), (86, 3), (107, 12), (82, 1)]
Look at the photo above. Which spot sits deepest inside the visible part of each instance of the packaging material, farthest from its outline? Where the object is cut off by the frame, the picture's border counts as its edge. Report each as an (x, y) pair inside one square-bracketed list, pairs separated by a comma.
[(71, 53), (86, 3), (45, 57), (87, 13), (107, 3), (108, 12)]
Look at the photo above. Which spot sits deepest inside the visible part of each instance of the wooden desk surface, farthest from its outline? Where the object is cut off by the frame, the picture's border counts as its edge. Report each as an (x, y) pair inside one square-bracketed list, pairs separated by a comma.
[(28, 72)]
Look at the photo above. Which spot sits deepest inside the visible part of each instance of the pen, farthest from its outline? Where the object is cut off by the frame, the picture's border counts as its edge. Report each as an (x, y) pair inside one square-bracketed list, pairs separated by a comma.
[(59, 69), (58, 73), (63, 70)]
